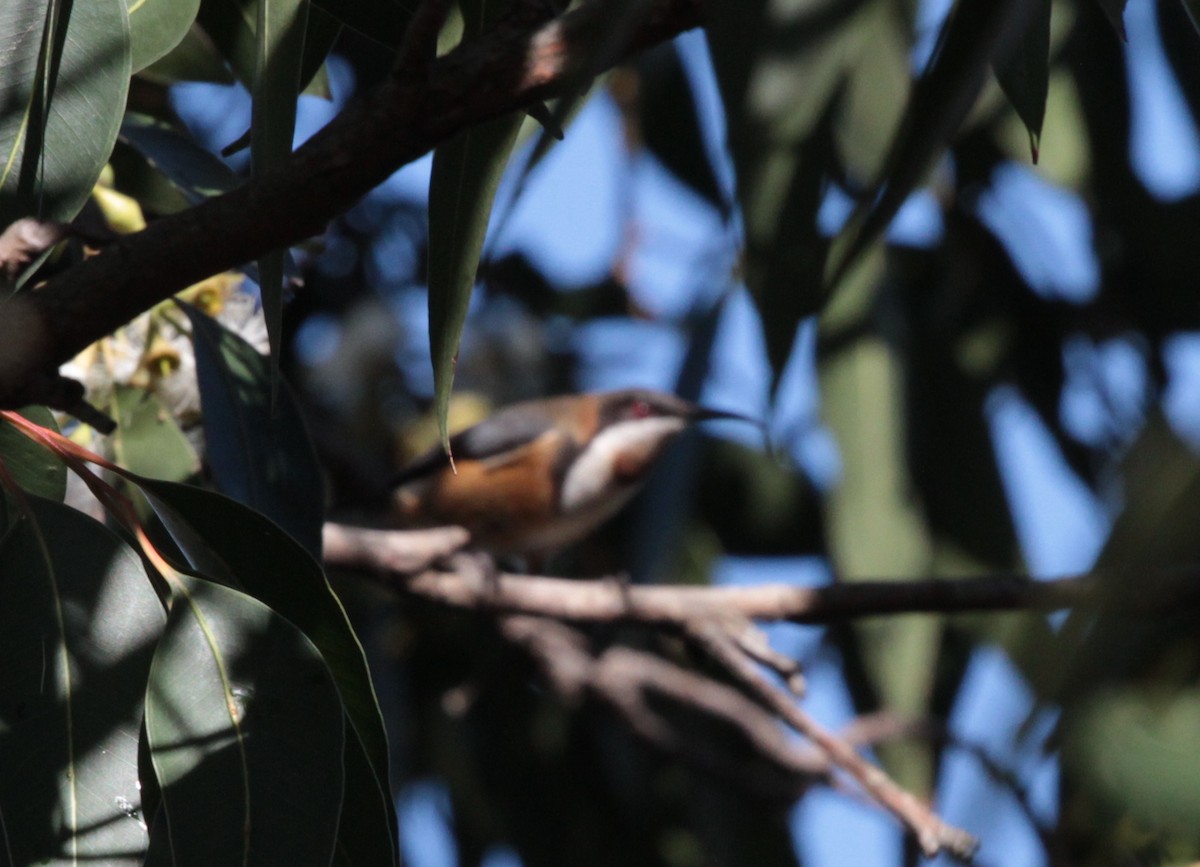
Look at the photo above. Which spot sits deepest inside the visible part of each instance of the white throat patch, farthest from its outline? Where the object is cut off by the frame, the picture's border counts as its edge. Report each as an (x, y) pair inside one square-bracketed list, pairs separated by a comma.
[(592, 474)]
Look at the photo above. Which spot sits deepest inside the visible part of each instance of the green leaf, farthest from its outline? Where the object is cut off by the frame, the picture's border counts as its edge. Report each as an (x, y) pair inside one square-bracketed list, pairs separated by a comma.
[(279, 55), (941, 100), (195, 58), (384, 21), (245, 730), (1192, 8), (259, 455), (33, 467), (1024, 72), (230, 543), (63, 83), (462, 185), (147, 440), (157, 26), (1115, 10), (194, 171), (78, 622), (670, 123)]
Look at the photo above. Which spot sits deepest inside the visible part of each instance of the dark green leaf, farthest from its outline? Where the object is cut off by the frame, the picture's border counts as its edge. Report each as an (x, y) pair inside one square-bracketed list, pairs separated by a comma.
[(670, 123), (33, 467), (78, 622), (157, 26), (1024, 71), (147, 440), (383, 21), (1115, 10), (259, 455), (230, 543), (943, 96), (193, 170), (246, 734), (63, 83)]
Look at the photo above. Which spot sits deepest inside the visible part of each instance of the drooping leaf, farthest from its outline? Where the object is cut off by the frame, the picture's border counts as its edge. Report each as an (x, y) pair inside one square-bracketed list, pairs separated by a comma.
[(462, 185), (148, 440), (195, 172), (78, 622), (1024, 72), (259, 455), (157, 26), (62, 93), (34, 468), (244, 727), (670, 125), (941, 99)]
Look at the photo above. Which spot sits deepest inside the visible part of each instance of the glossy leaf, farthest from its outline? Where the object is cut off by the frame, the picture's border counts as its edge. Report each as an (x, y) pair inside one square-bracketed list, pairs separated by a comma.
[(78, 622), (33, 467), (1024, 72), (244, 726), (258, 454), (55, 140), (157, 26), (148, 440), (462, 185), (236, 546)]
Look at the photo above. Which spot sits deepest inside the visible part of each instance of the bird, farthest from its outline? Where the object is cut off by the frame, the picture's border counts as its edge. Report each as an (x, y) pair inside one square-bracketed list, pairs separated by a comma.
[(538, 476)]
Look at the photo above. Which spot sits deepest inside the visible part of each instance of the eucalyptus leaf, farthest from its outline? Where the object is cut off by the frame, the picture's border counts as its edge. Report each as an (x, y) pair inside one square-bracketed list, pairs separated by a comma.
[(64, 77), (78, 623), (245, 730), (157, 27), (194, 171), (148, 440), (258, 454), (32, 466), (1024, 72), (236, 546)]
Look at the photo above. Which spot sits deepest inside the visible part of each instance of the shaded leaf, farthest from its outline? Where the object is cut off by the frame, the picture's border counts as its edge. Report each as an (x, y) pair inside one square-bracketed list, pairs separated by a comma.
[(194, 171), (55, 139), (670, 123), (157, 26), (1115, 11), (1192, 7), (971, 39), (1024, 72), (384, 21), (245, 730), (258, 455), (78, 622), (33, 467), (148, 440), (195, 58), (236, 546)]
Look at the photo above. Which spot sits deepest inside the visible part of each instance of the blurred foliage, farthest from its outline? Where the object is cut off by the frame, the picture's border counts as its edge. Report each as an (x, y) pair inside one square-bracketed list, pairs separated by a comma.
[(837, 117)]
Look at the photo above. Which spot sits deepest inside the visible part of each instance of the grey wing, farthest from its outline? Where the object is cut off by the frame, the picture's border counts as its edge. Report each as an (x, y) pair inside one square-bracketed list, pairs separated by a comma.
[(507, 430)]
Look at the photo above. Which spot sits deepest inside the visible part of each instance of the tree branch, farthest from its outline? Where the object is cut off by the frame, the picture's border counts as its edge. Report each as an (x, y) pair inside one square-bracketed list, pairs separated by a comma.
[(523, 60)]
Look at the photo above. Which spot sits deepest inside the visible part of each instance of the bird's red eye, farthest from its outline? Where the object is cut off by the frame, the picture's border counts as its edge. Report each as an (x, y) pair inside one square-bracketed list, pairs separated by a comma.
[(640, 409)]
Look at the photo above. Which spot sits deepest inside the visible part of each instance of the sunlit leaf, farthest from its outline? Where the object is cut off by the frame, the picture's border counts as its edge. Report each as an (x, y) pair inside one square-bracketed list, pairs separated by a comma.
[(157, 26), (245, 728), (55, 141), (258, 454), (462, 185), (78, 622)]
